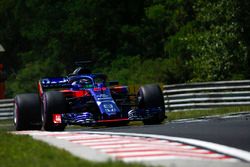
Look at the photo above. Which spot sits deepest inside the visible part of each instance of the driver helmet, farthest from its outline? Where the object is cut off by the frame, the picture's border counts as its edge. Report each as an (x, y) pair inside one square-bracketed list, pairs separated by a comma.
[(84, 81), (81, 83)]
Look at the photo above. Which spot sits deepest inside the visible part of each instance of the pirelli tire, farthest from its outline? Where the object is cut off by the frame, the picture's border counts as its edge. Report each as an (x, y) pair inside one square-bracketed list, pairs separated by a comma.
[(27, 112), (150, 96), (53, 103)]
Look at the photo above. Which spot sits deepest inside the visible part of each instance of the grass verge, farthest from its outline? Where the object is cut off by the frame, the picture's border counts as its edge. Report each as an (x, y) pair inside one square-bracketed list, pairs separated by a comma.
[(6, 125), (201, 113), (22, 150)]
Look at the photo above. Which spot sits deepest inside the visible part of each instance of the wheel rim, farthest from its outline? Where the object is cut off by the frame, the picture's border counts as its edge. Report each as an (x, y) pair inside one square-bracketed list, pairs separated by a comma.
[(43, 112), (42, 117), (15, 114), (140, 98)]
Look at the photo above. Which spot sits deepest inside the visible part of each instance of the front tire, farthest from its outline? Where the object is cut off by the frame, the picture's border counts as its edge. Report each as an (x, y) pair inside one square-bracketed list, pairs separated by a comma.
[(27, 112), (150, 96), (53, 103)]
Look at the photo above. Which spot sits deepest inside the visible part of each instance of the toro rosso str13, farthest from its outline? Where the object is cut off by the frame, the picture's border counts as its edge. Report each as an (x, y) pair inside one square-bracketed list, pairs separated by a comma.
[(83, 98)]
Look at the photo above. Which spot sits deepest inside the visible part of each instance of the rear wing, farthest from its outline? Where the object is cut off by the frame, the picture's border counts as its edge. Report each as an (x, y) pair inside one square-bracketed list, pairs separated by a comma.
[(53, 83)]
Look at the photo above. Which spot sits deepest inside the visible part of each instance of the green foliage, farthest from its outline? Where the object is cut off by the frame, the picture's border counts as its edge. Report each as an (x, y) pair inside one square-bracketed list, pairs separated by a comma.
[(134, 41), (155, 12), (137, 71), (217, 51), (27, 78)]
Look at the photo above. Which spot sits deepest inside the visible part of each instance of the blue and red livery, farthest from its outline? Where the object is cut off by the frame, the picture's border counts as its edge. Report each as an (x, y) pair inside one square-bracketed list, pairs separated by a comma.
[(83, 98)]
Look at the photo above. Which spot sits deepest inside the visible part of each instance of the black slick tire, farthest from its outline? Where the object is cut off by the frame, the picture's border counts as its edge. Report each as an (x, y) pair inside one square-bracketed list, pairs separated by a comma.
[(150, 96), (27, 112), (53, 103)]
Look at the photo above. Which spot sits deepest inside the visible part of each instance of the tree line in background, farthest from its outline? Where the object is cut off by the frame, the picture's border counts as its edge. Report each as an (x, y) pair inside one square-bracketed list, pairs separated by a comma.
[(133, 41)]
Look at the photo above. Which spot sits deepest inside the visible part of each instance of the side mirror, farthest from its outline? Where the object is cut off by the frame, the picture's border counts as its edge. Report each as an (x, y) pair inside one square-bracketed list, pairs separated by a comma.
[(113, 83)]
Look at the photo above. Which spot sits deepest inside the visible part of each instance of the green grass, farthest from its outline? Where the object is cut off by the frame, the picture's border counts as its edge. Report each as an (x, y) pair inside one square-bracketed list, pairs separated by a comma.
[(22, 150), (201, 113), (6, 121), (6, 125)]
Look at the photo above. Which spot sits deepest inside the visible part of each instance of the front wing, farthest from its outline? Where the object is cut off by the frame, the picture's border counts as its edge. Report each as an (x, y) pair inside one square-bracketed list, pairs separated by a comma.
[(87, 118)]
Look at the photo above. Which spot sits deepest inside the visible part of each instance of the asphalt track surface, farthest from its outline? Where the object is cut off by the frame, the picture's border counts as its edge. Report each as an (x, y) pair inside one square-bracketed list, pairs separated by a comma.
[(233, 132)]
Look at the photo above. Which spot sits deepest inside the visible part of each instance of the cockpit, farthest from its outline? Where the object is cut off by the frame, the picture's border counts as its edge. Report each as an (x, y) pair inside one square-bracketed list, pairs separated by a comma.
[(86, 82)]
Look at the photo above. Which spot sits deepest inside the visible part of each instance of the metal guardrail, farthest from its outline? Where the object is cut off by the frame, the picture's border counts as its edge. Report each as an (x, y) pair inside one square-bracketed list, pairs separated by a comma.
[(206, 95), (182, 97), (6, 109)]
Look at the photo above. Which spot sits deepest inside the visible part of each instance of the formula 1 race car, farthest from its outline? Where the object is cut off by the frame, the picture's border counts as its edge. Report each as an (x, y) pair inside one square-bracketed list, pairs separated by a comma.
[(83, 98)]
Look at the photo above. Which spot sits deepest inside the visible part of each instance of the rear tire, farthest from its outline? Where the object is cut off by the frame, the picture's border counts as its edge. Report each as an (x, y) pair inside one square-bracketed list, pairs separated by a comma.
[(27, 112), (150, 96), (53, 103)]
